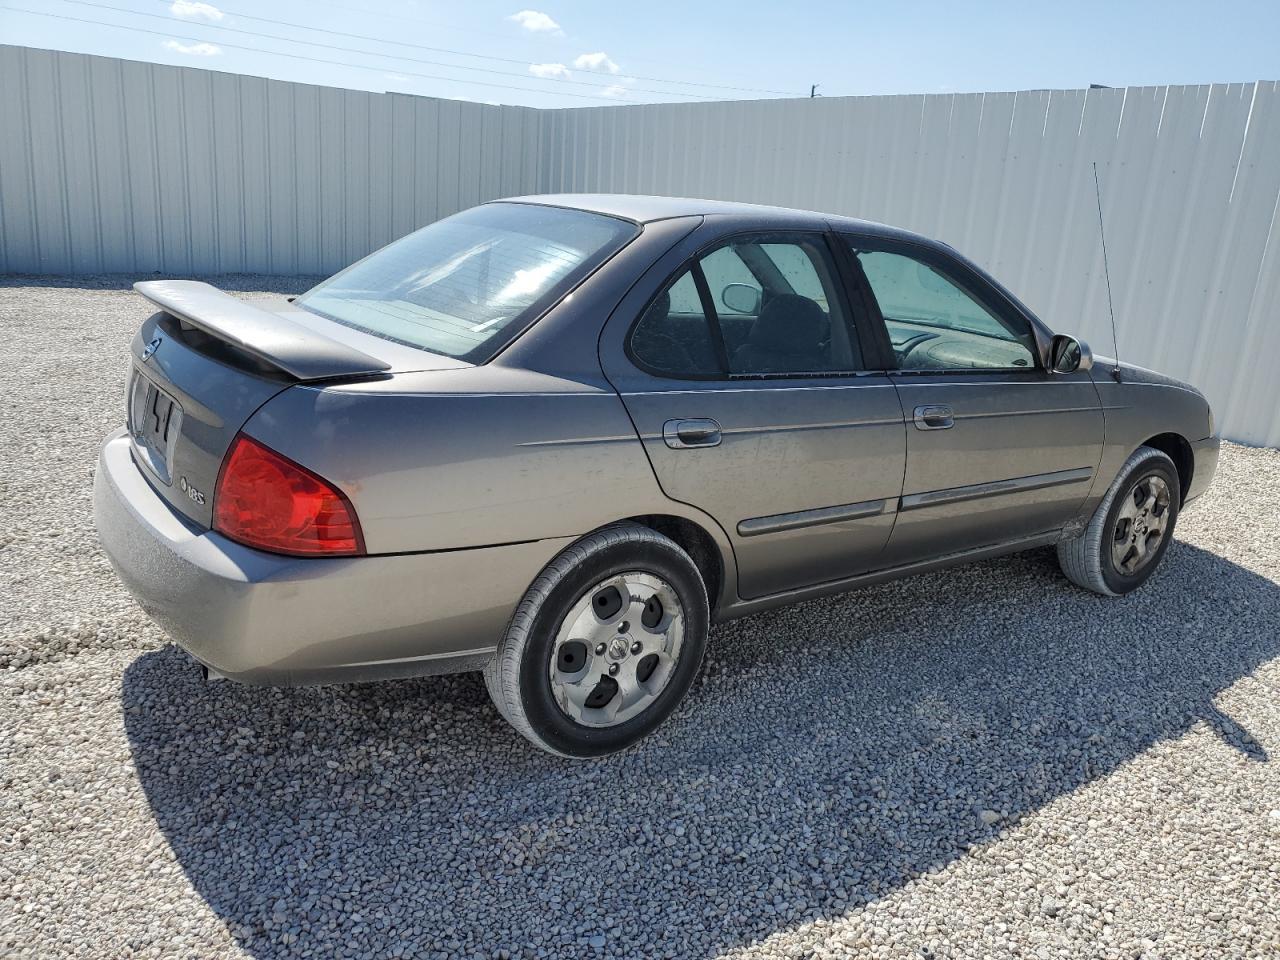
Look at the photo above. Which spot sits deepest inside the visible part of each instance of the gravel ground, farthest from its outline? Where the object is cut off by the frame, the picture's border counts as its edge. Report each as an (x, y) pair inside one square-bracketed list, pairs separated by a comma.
[(984, 762)]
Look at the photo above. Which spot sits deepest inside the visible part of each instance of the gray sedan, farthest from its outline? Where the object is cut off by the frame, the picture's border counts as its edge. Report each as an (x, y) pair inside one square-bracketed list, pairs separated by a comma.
[(555, 438)]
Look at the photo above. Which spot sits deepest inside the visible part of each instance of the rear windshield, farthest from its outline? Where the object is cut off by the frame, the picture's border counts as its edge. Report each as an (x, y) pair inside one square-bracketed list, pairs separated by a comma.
[(467, 285)]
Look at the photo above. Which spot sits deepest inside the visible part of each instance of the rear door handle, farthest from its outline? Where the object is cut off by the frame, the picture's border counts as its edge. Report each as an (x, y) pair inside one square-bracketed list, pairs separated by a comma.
[(683, 434), (934, 416)]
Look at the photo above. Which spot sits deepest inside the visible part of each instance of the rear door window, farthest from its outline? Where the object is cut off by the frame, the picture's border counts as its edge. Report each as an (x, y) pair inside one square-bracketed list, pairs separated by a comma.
[(770, 306), (778, 307)]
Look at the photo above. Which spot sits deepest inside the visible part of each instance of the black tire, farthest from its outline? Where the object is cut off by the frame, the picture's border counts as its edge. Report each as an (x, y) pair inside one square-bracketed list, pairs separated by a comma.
[(518, 677), (1087, 560)]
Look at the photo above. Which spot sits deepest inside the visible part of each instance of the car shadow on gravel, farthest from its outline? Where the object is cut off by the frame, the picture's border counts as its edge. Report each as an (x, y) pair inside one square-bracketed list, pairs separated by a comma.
[(828, 754)]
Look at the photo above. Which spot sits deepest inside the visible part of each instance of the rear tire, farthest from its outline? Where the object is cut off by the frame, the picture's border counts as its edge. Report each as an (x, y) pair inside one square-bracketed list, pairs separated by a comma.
[(1130, 531), (604, 644)]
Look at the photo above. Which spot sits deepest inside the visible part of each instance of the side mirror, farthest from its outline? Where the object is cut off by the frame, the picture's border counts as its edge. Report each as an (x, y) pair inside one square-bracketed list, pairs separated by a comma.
[(1068, 355), (741, 298)]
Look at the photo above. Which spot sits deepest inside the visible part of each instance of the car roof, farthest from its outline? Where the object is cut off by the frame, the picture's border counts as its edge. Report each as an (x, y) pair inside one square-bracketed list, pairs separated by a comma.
[(646, 209)]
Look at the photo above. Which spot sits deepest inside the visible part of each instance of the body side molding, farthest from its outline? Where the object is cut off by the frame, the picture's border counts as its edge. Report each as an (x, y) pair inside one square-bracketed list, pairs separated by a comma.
[(779, 522), (1037, 481)]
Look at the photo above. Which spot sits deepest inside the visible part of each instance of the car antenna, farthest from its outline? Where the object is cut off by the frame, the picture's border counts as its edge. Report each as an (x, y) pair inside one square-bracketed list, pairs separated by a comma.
[(1106, 272)]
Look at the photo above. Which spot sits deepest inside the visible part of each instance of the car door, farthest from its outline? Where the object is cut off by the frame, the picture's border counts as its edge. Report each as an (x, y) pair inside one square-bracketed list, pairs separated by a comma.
[(998, 448), (744, 377)]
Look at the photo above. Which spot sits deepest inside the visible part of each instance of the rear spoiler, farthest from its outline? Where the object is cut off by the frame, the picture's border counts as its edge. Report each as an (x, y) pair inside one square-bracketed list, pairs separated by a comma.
[(297, 350)]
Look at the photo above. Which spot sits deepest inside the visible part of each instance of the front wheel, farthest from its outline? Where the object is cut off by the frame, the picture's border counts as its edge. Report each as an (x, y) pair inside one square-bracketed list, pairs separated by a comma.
[(1131, 529), (604, 645)]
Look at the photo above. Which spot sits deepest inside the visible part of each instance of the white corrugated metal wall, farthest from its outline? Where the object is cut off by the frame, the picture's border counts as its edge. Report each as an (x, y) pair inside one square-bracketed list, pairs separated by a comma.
[(116, 166), (109, 166)]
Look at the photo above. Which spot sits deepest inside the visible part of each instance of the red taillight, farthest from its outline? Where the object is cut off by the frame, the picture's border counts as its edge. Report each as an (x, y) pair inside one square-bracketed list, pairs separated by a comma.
[(267, 501)]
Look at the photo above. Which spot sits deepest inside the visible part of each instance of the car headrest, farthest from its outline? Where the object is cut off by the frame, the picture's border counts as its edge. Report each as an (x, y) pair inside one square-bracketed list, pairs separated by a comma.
[(662, 306), (788, 323)]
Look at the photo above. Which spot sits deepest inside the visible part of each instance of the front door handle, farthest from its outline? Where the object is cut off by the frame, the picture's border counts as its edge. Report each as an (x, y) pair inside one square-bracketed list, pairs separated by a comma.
[(683, 434), (934, 416)]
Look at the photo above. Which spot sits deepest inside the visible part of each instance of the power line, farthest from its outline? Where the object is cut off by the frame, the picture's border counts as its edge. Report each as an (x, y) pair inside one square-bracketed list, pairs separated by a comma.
[(457, 53), (454, 28), (339, 63), (373, 53)]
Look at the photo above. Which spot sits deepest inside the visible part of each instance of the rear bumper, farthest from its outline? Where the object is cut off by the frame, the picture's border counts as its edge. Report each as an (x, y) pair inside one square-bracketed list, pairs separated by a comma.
[(266, 619), (1204, 454)]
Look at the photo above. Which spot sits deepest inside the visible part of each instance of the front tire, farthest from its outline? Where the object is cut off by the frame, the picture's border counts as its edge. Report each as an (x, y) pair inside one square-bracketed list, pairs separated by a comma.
[(604, 644), (1130, 531)]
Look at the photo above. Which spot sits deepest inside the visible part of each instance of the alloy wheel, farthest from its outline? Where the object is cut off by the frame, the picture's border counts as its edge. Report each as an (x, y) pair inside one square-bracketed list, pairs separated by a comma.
[(1141, 525), (616, 649)]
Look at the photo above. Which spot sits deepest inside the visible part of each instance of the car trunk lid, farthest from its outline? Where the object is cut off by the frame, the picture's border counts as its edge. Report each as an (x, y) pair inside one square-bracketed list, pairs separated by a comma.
[(203, 365)]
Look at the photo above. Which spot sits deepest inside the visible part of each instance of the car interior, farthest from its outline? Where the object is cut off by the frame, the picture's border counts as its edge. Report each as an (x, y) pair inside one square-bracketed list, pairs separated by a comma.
[(768, 326), (773, 307), (934, 324)]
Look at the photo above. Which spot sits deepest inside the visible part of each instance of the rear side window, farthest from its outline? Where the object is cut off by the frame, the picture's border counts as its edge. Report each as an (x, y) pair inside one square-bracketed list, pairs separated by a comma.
[(772, 308), (466, 285), (673, 336)]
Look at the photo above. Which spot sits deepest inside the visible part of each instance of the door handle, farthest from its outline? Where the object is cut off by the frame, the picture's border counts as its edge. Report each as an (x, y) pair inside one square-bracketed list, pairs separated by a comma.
[(934, 416), (682, 434)]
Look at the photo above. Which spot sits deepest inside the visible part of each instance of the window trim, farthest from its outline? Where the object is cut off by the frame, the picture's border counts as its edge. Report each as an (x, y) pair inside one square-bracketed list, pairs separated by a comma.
[(971, 283), (818, 237), (711, 316), (872, 333)]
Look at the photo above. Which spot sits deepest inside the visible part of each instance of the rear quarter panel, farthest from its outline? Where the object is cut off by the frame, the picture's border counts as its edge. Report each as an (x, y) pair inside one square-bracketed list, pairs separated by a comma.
[(447, 460)]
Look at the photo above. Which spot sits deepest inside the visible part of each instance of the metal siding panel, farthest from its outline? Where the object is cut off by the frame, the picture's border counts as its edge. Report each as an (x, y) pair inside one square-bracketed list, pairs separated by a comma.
[(355, 230), (403, 165), (111, 179), (488, 158), (227, 143), (282, 199), (50, 185), (1098, 125), (961, 143), (197, 218), (141, 164), (331, 145), (426, 172), (1236, 339), (380, 173), (19, 238), (255, 160), (469, 145), (312, 158), (511, 159), (75, 118), (448, 189), (1063, 250), (979, 239)]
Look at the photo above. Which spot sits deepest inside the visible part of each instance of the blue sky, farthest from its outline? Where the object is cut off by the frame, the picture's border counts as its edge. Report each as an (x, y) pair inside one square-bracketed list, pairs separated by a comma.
[(580, 53)]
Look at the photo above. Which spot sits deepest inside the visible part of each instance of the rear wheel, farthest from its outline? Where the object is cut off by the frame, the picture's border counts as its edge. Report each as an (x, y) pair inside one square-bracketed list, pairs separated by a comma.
[(604, 645), (1131, 529)]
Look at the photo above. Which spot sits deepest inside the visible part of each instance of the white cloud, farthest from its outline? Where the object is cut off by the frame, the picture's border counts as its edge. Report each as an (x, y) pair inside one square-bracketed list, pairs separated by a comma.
[(535, 21), (195, 10), (596, 61), (614, 90), (546, 70), (193, 49)]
